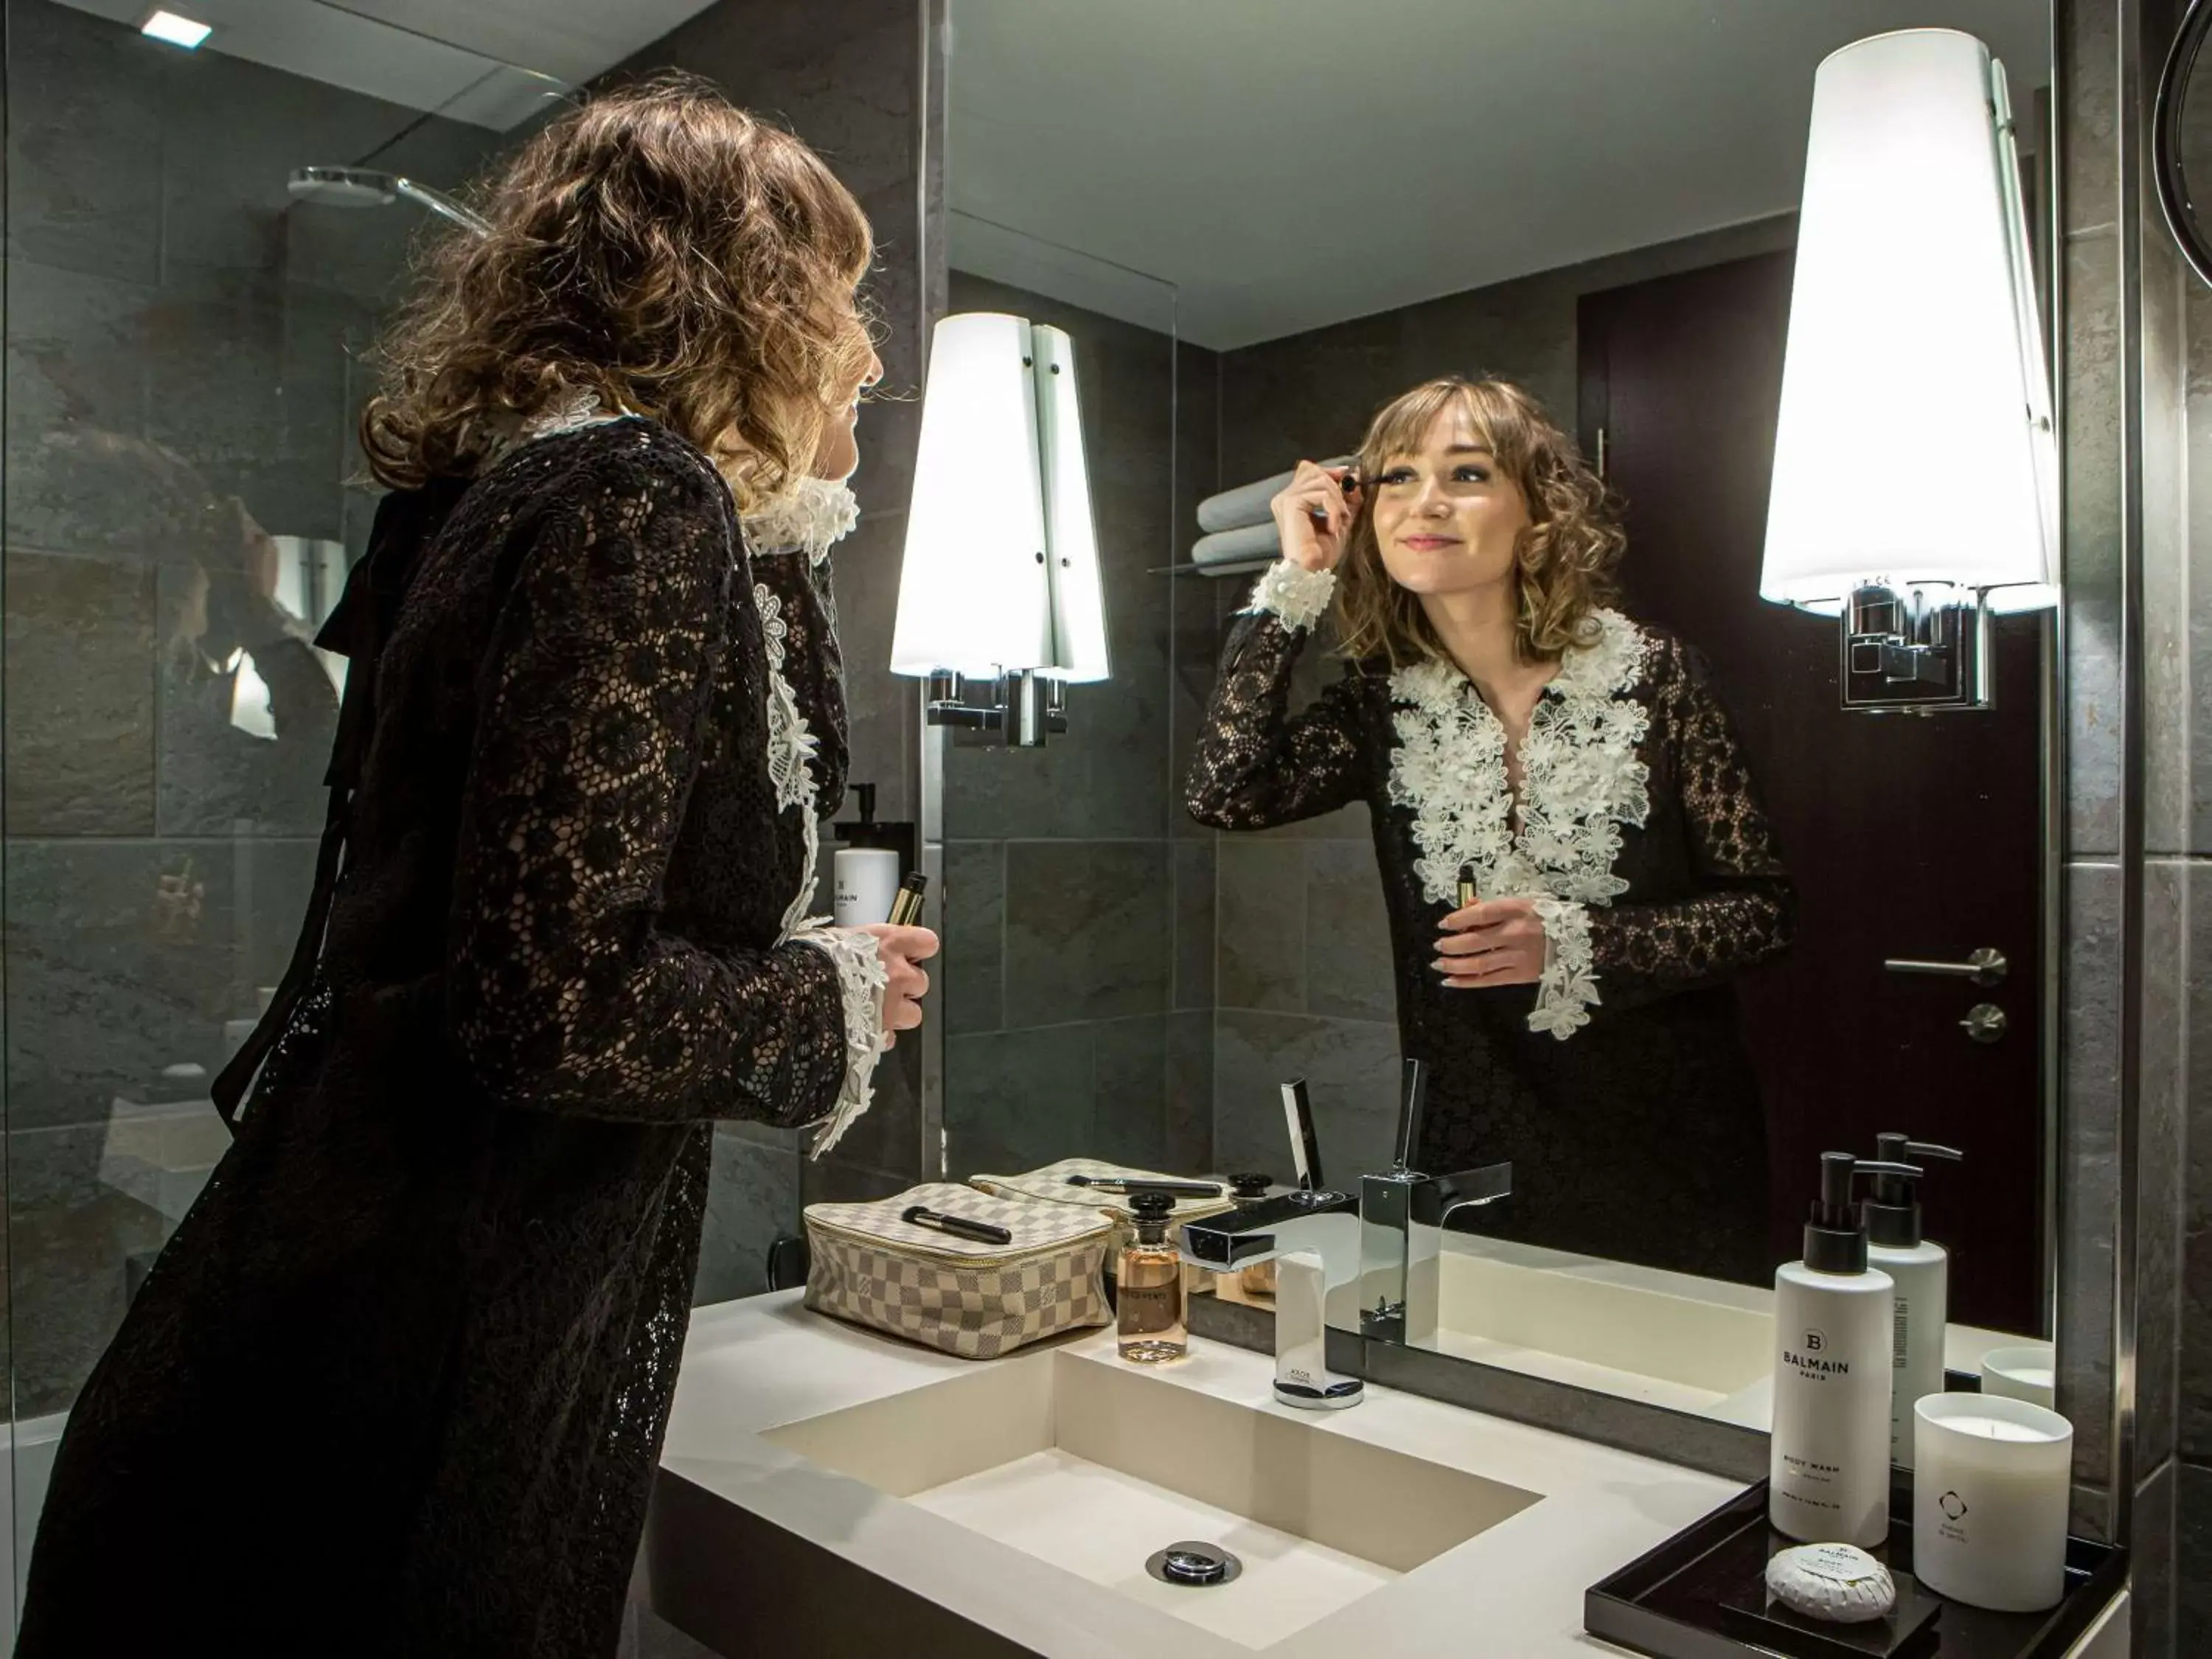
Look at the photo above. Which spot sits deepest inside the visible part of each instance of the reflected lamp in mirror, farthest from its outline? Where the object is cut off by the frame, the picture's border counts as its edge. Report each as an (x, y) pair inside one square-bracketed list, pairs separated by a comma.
[(1001, 604), (1914, 358)]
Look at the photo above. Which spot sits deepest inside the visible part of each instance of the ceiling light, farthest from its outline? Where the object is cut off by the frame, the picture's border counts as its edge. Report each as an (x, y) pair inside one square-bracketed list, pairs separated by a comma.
[(177, 31)]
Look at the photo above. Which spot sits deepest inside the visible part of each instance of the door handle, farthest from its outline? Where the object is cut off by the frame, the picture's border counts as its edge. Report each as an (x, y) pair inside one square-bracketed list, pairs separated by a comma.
[(1985, 967)]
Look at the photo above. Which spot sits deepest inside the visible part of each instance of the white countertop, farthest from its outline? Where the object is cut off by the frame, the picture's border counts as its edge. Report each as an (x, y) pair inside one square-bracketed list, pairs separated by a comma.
[(1517, 1588)]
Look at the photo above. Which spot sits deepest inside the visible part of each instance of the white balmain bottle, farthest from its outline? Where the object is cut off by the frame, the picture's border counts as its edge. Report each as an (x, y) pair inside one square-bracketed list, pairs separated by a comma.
[(1920, 1268), (1828, 1471)]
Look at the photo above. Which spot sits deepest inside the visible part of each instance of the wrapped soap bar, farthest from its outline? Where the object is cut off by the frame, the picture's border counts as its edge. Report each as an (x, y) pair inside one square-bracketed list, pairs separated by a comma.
[(1838, 1583)]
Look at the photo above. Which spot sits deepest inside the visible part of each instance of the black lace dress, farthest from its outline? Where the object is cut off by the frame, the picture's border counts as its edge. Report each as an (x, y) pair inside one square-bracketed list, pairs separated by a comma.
[(398, 1384), (1620, 1087)]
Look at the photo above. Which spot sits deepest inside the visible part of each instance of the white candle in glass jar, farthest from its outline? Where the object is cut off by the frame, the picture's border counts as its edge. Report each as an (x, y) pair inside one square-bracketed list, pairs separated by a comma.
[(1991, 1481), (2029, 1373)]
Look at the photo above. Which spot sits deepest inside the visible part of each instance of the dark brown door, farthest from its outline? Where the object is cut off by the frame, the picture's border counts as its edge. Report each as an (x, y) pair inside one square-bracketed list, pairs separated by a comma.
[(1908, 837)]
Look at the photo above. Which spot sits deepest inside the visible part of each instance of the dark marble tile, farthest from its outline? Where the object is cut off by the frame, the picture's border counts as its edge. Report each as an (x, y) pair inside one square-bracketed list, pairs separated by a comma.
[(849, 92), (2152, 1564), (124, 957), (1349, 972), (2169, 759), (2197, 640), (2088, 1173), (2088, 67), (79, 659), (1190, 1090), (2091, 461), (1261, 921), (883, 709), (2160, 1160), (1015, 1100), (1088, 930), (1194, 656), (247, 383), (972, 970), (1129, 1063), (272, 878), (1350, 1071), (84, 133), (835, 1181), (752, 1198), (67, 1289), (2193, 1560), (79, 476), (2194, 1390), (1196, 874), (888, 1135)]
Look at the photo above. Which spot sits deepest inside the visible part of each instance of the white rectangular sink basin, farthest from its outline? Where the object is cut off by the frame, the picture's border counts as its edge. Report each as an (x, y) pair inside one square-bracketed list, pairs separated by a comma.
[(1689, 1344), (1095, 1467)]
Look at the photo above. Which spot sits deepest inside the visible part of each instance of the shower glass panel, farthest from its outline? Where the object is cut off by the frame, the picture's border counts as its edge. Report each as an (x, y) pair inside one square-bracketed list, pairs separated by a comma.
[(183, 497)]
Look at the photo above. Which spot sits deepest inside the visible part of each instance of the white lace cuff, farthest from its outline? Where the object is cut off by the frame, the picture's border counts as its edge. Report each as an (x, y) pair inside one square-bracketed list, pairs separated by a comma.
[(1569, 987), (1294, 593), (860, 978)]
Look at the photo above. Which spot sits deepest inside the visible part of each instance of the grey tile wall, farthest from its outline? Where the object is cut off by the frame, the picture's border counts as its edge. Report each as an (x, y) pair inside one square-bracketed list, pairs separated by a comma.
[(180, 376), (1081, 912)]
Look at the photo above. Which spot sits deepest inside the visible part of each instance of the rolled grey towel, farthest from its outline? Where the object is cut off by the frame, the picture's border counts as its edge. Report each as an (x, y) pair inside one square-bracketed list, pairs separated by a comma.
[(1251, 541), (1247, 504)]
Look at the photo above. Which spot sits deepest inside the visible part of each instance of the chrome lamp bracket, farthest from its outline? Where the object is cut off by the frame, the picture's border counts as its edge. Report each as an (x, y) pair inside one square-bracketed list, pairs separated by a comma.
[(1915, 648), (1024, 706)]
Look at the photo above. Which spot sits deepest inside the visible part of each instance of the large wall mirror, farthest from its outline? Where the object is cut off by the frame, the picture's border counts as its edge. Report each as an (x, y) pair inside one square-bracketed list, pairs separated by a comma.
[(1260, 222)]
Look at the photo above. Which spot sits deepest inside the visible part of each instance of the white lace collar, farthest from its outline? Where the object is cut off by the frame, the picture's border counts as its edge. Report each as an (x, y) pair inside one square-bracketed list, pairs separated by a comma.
[(1581, 780), (810, 517)]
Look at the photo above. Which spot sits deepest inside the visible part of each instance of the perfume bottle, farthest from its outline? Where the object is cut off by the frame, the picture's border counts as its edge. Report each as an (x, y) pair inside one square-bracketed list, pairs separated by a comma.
[(1148, 1302)]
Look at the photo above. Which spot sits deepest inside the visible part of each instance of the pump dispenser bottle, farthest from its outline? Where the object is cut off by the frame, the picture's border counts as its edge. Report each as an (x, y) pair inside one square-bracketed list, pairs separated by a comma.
[(1920, 1268), (1829, 1448)]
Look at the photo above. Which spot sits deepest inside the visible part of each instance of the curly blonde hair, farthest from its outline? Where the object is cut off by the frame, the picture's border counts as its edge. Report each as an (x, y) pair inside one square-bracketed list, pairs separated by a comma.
[(659, 248), (1564, 564)]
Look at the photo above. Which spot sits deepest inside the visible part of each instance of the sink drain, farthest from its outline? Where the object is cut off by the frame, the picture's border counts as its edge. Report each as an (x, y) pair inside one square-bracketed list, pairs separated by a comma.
[(1195, 1565)]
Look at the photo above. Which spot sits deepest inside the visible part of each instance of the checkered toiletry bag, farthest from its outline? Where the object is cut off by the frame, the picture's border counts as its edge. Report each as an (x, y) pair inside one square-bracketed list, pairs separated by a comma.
[(973, 1299), (1051, 1185)]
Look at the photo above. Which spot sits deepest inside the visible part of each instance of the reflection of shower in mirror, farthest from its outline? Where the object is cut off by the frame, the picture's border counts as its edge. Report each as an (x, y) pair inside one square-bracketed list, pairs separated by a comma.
[(364, 187)]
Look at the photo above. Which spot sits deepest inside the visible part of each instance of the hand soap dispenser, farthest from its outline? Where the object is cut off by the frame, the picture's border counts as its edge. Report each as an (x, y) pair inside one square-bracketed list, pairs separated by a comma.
[(1920, 1268), (1828, 1470)]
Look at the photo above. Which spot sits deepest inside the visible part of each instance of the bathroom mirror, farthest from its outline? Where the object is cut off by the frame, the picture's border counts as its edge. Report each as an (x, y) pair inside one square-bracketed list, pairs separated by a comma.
[(1304, 214)]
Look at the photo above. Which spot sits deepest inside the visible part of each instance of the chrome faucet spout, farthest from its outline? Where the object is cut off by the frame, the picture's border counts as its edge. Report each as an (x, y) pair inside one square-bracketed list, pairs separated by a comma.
[(1403, 1217), (1315, 1236)]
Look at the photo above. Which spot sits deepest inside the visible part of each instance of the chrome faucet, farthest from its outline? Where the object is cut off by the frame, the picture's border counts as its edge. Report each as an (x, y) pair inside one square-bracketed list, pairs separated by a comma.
[(1402, 1217), (1313, 1236)]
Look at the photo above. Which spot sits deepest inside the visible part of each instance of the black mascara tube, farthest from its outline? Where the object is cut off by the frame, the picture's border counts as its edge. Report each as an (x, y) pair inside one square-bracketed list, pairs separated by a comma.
[(960, 1226)]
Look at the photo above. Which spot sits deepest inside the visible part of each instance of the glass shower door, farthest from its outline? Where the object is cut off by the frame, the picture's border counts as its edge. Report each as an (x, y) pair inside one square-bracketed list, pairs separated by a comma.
[(183, 497)]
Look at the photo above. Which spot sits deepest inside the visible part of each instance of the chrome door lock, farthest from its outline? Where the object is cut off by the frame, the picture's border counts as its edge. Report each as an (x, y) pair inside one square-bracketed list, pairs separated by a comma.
[(1984, 1022)]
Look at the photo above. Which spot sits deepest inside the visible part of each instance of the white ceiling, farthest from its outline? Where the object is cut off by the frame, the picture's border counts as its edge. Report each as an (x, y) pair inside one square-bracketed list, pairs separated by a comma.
[(492, 62), (1289, 163)]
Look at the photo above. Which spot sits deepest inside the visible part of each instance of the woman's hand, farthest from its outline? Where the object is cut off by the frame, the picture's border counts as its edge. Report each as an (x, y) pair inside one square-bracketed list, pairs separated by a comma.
[(899, 949), (1312, 513), (1495, 942)]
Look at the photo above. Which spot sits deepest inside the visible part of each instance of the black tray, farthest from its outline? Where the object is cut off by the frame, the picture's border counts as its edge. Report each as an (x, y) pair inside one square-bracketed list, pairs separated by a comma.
[(1701, 1595)]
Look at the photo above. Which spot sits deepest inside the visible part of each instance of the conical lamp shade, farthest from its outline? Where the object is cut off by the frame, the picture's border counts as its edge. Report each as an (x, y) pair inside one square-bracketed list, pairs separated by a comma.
[(1914, 443)]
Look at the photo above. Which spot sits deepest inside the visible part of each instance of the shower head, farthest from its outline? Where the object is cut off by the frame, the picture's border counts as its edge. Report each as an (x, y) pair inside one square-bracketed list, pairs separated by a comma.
[(352, 187), (361, 187)]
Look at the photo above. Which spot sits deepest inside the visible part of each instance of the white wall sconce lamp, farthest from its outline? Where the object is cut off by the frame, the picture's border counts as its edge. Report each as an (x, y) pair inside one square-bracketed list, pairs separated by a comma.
[(1915, 489), (1000, 584)]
